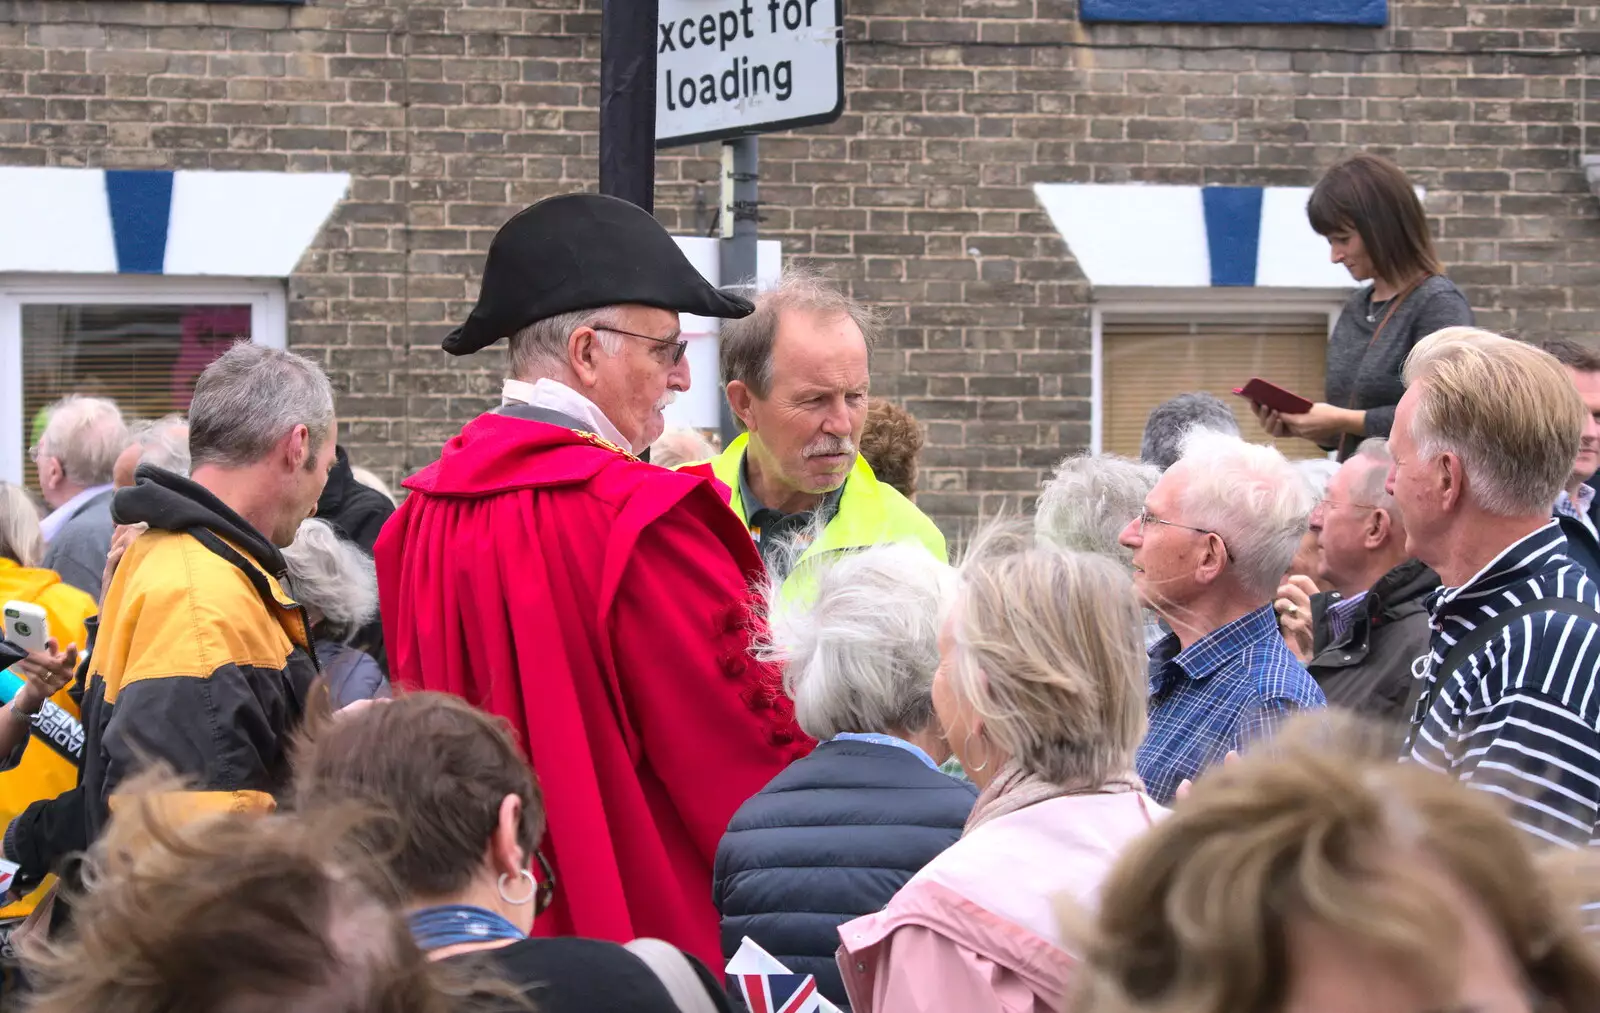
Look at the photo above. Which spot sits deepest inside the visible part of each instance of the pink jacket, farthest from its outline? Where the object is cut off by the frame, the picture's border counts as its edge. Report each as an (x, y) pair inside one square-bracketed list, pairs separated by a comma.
[(978, 930)]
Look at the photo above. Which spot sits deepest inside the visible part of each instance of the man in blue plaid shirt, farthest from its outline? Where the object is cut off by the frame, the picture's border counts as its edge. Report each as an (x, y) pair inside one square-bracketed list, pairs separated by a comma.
[(1209, 550)]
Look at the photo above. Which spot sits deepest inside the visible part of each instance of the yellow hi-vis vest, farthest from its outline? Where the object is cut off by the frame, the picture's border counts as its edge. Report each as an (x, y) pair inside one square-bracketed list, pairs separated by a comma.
[(870, 513)]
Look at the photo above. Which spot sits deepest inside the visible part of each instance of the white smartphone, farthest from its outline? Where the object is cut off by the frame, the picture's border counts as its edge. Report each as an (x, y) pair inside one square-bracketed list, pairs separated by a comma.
[(26, 625)]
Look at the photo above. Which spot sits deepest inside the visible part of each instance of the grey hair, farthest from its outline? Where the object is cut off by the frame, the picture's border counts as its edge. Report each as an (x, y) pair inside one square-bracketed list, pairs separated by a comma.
[(1318, 472), (86, 434), (539, 350), (1373, 489), (1253, 498), (680, 445), (165, 442), (747, 344), (332, 576), (1171, 422), (20, 538), (1049, 651), (250, 398), (1090, 499), (860, 657)]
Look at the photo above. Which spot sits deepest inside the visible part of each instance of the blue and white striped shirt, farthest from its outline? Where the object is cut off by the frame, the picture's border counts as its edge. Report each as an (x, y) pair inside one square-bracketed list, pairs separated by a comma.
[(1521, 717)]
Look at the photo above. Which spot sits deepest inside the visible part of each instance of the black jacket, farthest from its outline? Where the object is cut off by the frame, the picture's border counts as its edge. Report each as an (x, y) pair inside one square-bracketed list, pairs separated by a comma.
[(1368, 670), (831, 838), (357, 513)]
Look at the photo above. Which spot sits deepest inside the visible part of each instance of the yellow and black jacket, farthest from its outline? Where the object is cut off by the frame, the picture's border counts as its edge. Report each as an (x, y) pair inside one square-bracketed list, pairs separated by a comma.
[(201, 663)]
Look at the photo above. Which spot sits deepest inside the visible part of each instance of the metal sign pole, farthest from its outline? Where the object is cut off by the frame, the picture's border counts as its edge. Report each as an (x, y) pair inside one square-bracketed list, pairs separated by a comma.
[(740, 224), (628, 101)]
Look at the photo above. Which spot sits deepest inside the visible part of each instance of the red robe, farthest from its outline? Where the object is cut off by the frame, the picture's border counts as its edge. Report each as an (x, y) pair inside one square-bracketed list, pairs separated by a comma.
[(601, 606)]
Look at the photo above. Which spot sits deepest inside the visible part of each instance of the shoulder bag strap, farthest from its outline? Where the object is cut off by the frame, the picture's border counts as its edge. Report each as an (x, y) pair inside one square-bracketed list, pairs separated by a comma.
[(1425, 692), (1395, 305), (676, 974)]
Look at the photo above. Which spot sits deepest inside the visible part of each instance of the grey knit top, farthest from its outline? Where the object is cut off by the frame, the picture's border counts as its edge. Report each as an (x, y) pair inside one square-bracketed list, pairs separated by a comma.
[(1364, 374)]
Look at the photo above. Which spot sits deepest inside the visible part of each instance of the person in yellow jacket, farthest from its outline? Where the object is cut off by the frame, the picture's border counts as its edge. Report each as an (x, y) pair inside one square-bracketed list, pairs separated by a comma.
[(796, 375), (46, 768)]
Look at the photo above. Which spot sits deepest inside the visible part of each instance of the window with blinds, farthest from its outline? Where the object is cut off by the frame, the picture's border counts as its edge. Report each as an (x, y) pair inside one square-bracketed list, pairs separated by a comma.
[(1147, 359), (146, 357)]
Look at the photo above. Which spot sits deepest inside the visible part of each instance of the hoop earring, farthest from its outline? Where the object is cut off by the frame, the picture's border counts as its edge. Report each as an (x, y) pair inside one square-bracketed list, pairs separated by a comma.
[(966, 746), (533, 888)]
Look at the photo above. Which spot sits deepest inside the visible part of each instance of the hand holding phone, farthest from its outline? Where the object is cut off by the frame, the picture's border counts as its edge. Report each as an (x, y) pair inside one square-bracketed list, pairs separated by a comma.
[(1259, 391)]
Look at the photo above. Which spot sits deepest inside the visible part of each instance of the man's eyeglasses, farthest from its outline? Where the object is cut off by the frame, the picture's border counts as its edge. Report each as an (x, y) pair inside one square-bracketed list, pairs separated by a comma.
[(1146, 518), (1326, 502), (678, 345)]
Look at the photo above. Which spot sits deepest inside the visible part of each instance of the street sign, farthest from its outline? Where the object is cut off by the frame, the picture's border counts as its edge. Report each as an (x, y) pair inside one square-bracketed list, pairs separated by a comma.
[(729, 68)]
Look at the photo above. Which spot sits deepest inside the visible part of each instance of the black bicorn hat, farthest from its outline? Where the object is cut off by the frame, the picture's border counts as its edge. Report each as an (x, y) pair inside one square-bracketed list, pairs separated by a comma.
[(580, 251)]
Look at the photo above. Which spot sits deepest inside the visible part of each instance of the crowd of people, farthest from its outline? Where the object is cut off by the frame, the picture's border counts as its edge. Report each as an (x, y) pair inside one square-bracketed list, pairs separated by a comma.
[(602, 718)]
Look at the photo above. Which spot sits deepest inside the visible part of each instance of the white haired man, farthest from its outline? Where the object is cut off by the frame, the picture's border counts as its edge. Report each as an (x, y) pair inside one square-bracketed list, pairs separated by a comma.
[(1483, 441), (75, 459), (161, 443), (202, 662), (1359, 639), (1209, 549), (599, 604), (795, 371)]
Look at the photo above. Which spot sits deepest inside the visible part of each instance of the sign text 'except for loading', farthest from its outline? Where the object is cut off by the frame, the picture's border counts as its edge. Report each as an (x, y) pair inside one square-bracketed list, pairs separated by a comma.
[(726, 68)]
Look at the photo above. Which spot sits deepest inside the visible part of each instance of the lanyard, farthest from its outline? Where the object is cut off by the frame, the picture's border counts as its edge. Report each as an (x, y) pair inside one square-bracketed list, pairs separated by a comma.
[(437, 927)]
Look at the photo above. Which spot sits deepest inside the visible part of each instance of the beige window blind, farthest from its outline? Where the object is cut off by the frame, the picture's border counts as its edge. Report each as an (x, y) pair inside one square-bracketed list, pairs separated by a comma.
[(146, 357), (1148, 359)]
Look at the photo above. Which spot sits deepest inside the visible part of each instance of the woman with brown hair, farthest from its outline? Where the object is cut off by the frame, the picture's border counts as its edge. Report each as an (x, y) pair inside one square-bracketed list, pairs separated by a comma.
[(1368, 210), (467, 821), (237, 912), (1318, 878), (1041, 690)]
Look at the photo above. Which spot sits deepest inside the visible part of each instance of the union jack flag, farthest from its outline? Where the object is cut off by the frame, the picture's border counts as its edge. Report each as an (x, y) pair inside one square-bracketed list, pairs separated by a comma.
[(780, 993)]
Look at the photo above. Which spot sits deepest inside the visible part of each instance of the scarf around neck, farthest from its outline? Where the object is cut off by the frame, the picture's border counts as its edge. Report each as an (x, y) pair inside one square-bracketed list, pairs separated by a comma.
[(1014, 789)]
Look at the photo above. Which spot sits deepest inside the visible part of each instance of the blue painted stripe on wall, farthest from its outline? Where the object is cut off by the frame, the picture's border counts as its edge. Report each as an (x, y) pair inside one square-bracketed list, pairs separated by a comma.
[(1233, 232), (1235, 12), (141, 207)]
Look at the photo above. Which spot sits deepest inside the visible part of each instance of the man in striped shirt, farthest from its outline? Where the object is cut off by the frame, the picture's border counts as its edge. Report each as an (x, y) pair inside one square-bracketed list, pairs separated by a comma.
[(1483, 441)]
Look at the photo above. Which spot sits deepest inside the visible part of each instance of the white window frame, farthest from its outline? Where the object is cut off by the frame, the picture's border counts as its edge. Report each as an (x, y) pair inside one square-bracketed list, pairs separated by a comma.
[(1118, 302), (265, 296)]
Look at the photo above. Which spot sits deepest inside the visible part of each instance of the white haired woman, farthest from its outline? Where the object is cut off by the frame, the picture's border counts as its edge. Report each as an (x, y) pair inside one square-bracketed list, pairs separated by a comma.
[(838, 832), (338, 585), (1041, 690)]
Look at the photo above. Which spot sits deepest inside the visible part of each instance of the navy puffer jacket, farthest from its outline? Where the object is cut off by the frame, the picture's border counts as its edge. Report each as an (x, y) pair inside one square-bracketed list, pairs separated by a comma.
[(832, 838)]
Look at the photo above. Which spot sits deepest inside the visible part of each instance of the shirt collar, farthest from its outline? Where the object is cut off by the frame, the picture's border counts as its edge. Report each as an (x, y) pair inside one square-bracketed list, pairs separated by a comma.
[(1518, 562), (1578, 508), (557, 396), (52, 525), (887, 740), (1214, 650)]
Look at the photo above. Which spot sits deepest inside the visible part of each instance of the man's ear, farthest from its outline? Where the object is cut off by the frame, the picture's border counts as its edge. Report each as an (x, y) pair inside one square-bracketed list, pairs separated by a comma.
[(740, 400), (297, 447), (1451, 476), (1212, 560), (1378, 529), (583, 356)]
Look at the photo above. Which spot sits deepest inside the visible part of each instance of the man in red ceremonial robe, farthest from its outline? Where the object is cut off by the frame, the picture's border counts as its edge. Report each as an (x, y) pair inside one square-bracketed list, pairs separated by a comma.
[(600, 604)]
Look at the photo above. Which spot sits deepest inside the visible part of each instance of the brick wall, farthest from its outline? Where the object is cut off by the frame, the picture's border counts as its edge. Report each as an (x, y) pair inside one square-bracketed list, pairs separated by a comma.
[(452, 115)]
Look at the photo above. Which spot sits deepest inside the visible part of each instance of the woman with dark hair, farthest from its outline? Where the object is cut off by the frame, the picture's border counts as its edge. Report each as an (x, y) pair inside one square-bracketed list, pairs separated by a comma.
[(1369, 212), (467, 820)]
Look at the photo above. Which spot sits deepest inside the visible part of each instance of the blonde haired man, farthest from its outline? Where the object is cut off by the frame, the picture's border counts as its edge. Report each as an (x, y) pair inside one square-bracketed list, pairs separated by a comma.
[(1483, 441)]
